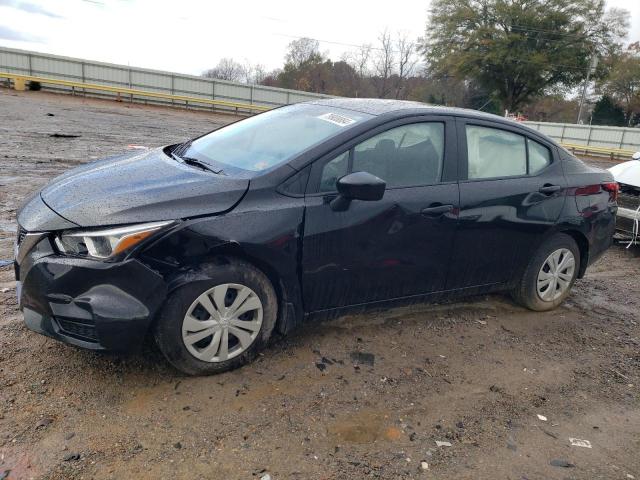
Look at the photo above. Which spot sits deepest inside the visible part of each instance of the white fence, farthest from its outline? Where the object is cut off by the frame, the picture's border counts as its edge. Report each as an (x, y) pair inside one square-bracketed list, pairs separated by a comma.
[(591, 135), (87, 71)]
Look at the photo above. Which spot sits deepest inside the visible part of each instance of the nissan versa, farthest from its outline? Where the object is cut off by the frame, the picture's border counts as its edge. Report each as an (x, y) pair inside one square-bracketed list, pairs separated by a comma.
[(302, 212)]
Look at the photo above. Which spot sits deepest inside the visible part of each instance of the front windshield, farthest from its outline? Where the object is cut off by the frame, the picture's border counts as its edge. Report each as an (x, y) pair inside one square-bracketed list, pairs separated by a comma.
[(271, 138)]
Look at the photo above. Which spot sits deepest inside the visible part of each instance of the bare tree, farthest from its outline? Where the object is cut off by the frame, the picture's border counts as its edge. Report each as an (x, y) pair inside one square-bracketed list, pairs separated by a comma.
[(259, 73), (227, 69), (359, 59), (384, 62), (407, 61), (247, 72), (302, 51)]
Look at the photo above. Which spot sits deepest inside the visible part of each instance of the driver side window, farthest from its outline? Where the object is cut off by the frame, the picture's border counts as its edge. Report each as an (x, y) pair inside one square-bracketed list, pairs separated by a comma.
[(409, 155), (332, 171)]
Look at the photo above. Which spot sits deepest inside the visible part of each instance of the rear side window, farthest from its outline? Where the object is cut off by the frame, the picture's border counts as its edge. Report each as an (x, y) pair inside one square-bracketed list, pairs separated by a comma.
[(539, 156), (495, 153)]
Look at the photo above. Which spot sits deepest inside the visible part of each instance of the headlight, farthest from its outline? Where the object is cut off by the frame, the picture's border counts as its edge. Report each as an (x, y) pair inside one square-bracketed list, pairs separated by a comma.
[(105, 243)]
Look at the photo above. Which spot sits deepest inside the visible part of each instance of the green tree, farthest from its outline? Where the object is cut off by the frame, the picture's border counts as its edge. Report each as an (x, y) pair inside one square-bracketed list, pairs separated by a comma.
[(607, 112), (623, 82), (520, 49)]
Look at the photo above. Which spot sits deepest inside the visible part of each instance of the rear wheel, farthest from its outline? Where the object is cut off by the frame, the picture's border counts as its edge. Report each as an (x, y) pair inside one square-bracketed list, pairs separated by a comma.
[(548, 278), (216, 325)]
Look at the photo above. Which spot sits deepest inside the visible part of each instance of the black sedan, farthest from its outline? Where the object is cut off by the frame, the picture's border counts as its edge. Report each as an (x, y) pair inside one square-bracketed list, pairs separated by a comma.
[(303, 212)]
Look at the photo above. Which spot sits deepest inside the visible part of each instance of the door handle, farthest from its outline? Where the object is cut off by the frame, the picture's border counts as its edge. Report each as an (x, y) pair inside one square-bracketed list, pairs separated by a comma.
[(549, 189), (436, 211)]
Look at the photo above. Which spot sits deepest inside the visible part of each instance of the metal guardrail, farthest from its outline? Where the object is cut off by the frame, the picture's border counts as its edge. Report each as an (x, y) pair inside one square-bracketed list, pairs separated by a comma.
[(601, 139), (612, 153), (135, 92), (38, 64)]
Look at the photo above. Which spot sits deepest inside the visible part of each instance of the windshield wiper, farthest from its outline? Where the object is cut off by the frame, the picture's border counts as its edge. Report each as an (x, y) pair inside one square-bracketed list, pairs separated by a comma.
[(196, 163), (182, 147)]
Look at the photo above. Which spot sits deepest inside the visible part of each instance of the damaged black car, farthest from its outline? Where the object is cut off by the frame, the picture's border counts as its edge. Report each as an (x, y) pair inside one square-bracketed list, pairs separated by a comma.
[(305, 212)]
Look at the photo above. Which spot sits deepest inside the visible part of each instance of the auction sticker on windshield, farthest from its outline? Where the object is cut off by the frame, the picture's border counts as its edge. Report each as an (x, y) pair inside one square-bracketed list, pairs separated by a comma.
[(337, 119)]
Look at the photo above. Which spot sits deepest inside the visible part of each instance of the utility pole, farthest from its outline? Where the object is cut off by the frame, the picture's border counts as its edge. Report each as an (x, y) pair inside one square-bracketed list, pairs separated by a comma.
[(593, 64)]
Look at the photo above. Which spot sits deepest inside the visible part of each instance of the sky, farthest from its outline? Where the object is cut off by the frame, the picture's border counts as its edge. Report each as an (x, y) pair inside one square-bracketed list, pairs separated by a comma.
[(191, 36)]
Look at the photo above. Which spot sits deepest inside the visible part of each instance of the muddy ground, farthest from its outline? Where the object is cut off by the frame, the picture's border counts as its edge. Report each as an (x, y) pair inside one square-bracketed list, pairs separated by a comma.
[(475, 374)]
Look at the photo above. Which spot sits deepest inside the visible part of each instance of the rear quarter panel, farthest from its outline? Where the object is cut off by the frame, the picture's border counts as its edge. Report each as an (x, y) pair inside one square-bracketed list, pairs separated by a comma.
[(591, 210)]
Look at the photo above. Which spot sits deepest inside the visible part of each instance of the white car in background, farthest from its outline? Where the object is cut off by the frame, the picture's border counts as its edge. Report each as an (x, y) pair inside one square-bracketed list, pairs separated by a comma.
[(627, 174)]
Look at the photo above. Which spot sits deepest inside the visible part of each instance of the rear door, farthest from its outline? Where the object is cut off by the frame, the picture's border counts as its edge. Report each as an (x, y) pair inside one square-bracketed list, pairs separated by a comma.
[(512, 191), (398, 246)]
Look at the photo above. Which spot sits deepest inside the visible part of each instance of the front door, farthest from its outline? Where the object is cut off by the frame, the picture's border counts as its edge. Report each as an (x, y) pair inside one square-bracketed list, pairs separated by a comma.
[(398, 246)]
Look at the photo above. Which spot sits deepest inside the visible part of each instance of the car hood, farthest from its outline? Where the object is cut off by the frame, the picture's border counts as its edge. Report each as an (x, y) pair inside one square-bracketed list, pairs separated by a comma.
[(627, 173), (140, 187)]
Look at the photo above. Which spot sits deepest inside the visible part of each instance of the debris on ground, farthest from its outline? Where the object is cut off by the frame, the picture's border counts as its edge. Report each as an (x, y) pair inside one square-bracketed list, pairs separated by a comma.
[(576, 442), (561, 463), (44, 422), (542, 417), (64, 135), (440, 443), (363, 358), (547, 432)]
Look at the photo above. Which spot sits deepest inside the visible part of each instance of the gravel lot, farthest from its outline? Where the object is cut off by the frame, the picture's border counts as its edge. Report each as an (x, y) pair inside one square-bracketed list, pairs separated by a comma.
[(475, 374)]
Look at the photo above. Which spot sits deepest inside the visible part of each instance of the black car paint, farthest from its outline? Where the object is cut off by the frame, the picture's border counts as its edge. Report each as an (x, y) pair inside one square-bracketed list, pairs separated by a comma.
[(378, 246), (141, 187), (321, 262), (504, 229)]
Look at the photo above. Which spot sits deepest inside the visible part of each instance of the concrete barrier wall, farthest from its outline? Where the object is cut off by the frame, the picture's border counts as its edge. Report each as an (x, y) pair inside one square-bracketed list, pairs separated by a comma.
[(591, 135), (87, 71)]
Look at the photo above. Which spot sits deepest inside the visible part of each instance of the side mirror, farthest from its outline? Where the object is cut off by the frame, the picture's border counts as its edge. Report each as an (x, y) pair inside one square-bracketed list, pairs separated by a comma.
[(636, 156), (358, 186)]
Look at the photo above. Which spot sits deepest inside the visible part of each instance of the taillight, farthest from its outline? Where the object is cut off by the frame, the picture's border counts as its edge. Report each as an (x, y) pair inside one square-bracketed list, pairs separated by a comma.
[(613, 188)]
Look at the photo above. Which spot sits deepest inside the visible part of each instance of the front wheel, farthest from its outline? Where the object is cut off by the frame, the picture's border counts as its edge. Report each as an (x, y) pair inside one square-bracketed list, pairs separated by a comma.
[(215, 325), (550, 274)]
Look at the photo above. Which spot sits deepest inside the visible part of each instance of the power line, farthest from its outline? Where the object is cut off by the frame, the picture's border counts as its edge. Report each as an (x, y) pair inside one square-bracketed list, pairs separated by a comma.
[(333, 42)]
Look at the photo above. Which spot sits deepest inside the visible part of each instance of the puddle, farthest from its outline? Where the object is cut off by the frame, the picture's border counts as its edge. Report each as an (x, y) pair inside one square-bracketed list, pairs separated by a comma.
[(364, 427)]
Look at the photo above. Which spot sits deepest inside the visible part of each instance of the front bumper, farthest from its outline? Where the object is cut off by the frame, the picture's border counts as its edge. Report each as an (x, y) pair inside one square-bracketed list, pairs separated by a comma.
[(87, 303)]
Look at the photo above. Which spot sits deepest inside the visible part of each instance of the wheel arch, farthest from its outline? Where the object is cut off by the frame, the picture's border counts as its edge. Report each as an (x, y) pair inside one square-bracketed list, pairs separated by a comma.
[(583, 246), (290, 311)]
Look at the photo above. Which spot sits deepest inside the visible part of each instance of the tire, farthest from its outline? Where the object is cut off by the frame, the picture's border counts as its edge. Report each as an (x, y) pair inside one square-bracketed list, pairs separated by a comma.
[(531, 292), (187, 316)]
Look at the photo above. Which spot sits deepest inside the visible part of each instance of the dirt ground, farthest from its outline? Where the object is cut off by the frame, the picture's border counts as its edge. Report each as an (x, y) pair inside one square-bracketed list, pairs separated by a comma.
[(475, 374)]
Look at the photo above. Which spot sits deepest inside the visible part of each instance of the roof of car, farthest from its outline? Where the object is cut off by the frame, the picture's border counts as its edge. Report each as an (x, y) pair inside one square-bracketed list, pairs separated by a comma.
[(377, 106)]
